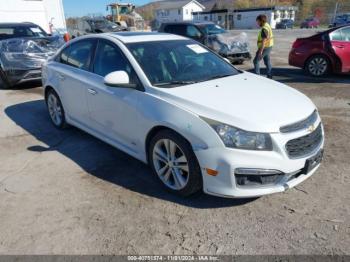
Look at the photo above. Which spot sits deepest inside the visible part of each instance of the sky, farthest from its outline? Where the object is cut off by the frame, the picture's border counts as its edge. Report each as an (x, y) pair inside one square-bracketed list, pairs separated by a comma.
[(86, 7)]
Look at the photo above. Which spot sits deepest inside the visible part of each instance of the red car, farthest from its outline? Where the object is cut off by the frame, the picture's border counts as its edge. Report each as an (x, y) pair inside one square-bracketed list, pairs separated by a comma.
[(312, 22), (326, 52)]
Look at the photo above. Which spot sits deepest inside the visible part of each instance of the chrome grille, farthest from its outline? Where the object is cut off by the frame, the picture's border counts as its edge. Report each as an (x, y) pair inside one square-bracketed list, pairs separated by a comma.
[(305, 145), (303, 124)]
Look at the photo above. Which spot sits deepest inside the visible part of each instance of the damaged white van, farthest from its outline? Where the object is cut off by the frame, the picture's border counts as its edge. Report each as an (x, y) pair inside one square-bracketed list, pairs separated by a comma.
[(200, 123)]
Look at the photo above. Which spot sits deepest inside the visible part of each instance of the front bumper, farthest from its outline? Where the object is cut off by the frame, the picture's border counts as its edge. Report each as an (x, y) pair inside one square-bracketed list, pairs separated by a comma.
[(237, 57), (20, 76), (226, 161)]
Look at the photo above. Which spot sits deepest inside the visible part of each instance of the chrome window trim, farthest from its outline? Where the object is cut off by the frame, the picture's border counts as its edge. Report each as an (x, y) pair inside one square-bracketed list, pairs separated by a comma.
[(300, 125)]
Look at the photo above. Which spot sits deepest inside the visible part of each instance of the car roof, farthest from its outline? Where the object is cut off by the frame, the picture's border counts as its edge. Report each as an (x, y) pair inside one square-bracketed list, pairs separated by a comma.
[(17, 24), (134, 37)]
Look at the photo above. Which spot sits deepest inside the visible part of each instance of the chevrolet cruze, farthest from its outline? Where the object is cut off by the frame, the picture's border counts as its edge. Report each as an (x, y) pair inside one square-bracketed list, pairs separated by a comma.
[(200, 123)]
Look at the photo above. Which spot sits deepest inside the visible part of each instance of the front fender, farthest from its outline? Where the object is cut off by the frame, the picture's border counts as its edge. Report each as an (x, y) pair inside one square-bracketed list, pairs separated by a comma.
[(187, 124)]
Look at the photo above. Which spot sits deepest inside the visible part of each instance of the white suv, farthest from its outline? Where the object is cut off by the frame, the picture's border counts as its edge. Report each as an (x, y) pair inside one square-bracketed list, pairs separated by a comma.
[(199, 122)]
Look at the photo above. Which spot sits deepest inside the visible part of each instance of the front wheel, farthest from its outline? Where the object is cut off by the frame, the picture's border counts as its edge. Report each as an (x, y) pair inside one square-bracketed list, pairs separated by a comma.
[(317, 65), (173, 161)]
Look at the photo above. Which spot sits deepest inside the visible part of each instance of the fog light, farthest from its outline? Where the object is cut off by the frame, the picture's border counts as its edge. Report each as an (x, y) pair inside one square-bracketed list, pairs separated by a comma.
[(257, 176), (256, 171)]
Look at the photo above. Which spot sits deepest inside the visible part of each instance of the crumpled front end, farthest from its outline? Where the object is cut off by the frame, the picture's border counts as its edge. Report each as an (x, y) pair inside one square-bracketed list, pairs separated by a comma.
[(229, 45), (21, 58)]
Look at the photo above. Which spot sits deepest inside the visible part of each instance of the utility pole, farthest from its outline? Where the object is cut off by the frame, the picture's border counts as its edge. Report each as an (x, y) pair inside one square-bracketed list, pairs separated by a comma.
[(335, 11)]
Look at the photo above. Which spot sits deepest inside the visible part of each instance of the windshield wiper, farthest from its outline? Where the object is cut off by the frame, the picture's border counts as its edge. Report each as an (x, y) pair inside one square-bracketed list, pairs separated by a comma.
[(175, 83)]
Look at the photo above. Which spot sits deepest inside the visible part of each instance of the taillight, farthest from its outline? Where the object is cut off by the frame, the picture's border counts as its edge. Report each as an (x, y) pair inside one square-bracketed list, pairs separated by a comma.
[(297, 43)]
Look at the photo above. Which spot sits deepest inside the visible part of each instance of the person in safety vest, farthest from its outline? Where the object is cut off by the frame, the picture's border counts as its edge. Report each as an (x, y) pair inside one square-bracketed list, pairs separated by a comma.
[(265, 44)]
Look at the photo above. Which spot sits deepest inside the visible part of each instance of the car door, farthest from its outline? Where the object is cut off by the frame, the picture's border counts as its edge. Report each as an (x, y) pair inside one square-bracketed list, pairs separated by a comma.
[(113, 110), (340, 41), (72, 72)]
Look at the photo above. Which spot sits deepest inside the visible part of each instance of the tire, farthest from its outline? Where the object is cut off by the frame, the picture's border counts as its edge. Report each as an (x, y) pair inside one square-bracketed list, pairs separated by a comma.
[(238, 62), (4, 82), (55, 109), (317, 65), (180, 177)]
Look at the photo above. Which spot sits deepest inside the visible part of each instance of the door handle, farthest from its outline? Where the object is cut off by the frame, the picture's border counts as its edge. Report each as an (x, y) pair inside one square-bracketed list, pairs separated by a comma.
[(61, 77), (92, 91), (340, 46)]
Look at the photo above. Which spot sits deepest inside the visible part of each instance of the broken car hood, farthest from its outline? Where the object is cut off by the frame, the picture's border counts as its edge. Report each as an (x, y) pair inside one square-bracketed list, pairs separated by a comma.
[(27, 53)]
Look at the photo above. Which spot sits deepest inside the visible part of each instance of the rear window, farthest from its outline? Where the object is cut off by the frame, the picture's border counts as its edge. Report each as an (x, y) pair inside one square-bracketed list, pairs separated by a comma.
[(336, 36), (342, 34), (78, 55), (346, 34)]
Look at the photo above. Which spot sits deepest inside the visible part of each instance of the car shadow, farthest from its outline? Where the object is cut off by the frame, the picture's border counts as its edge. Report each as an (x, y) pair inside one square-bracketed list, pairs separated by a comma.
[(101, 160), (295, 75)]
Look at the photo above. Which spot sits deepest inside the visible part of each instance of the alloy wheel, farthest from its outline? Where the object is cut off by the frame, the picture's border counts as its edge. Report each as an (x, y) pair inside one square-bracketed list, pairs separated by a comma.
[(318, 66), (171, 164), (55, 109)]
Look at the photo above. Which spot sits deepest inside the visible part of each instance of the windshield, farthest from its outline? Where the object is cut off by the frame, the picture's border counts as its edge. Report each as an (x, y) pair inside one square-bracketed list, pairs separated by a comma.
[(179, 62), (21, 31), (211, 29)]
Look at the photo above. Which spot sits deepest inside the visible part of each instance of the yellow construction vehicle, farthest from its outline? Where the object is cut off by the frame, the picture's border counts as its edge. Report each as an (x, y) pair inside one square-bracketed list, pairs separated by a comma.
[(125, 13)]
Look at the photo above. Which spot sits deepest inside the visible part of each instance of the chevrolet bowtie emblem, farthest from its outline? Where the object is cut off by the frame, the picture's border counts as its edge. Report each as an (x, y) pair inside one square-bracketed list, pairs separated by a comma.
[(311, 128)]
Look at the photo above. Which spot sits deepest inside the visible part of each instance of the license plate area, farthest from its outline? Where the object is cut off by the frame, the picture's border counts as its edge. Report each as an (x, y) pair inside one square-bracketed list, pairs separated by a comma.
[(312, 162)]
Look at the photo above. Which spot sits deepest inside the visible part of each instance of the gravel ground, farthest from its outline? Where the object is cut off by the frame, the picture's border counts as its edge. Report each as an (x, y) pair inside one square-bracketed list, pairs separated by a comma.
[(68, 193)]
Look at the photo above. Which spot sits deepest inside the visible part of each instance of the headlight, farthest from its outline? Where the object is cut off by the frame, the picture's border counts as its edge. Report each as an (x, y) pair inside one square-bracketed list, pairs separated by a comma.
[(237, 138)]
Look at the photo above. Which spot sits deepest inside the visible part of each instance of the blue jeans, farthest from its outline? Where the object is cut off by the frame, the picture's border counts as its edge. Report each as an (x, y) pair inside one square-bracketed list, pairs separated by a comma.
[(266, 57)]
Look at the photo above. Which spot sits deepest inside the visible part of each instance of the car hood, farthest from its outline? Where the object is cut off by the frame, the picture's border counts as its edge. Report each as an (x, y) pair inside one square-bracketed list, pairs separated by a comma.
[(246, 101)]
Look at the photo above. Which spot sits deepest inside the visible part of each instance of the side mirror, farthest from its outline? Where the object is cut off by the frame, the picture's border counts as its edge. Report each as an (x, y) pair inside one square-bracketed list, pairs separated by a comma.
[(118, 79)]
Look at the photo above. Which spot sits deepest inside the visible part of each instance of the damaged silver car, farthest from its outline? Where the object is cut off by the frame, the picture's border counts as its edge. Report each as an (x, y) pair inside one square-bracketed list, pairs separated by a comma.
[(93, 25), (228, 44), (23, 49)]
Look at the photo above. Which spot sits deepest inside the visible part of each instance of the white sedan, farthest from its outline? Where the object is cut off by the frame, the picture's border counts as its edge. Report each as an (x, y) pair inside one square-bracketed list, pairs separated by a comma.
[(200, 123)]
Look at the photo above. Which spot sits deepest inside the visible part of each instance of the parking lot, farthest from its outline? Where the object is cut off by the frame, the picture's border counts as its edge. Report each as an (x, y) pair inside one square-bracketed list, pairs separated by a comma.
[(65, 192)]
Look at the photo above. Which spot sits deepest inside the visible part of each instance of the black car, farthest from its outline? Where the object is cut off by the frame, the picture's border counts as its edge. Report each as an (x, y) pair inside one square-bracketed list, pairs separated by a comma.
[(285, 24), (233, 47), (341, 20), (94, 25), (23, 49)]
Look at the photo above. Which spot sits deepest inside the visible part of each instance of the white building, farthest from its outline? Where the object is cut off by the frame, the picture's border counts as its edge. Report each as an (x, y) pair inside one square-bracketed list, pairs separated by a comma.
[(40, 12), (177, 11), (246, 18), (221, 17)]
